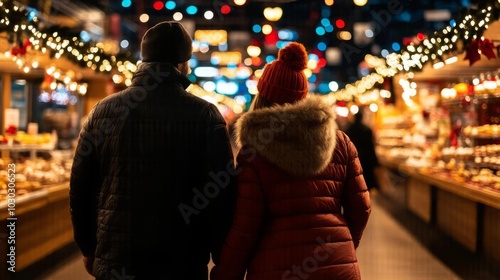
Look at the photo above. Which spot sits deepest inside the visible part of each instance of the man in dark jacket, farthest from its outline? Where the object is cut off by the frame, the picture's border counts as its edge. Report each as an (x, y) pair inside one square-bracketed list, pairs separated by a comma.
[(362, 137), (152, 190)]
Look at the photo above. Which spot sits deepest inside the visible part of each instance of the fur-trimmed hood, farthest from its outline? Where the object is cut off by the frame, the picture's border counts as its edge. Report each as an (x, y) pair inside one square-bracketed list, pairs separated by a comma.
[(298, 138)]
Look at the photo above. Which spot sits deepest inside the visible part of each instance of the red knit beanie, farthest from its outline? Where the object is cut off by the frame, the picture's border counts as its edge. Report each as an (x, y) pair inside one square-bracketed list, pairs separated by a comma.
[(283, 80)]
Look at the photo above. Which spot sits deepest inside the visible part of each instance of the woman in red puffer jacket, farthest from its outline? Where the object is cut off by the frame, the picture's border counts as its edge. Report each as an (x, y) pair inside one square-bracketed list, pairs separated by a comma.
[(302, 200)]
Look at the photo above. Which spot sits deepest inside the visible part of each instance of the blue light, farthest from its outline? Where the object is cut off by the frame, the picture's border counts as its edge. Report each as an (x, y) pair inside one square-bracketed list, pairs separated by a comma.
[(329, 28), (191, 10), (322, 46), (126, 3), (257, 28), (170, 5), (223, 47), (320, 31), (32, 14), (364, 71), (405, 16), (288, 35), (313, 56), (193, 63), (326, 22), (270, 58), (282, 44), (384, 53), (312, 79), (453, 23), (191, 77), (85, 36), (323, 88), (215, 60), (325, 12), (396, 47)]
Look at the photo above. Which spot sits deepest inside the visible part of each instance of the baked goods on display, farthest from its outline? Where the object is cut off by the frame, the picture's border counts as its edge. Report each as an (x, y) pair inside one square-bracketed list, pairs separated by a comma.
[(33, 175), (22, 138), (487, 130)]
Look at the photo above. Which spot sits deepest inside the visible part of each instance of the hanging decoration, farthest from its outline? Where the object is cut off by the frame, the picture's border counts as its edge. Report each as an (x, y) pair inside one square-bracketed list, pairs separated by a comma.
[(478, 47)]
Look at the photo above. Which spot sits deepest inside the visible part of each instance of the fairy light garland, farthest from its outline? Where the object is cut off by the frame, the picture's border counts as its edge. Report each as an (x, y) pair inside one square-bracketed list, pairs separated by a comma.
[(413, 58), (16, 22)]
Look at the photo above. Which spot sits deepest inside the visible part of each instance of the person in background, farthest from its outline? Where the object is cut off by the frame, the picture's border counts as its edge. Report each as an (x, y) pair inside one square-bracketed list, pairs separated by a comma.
[(362, 137), (302, 201), (151, 189)]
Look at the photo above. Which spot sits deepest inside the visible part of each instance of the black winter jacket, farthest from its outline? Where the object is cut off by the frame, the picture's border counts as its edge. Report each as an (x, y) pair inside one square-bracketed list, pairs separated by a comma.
[(152, 190)]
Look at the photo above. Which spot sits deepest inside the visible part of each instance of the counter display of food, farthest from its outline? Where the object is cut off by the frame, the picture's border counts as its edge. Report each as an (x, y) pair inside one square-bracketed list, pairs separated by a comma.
[(467, 211)]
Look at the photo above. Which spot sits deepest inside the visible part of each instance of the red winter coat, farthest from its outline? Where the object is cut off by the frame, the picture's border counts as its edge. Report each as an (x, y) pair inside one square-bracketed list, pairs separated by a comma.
[(302, 201)]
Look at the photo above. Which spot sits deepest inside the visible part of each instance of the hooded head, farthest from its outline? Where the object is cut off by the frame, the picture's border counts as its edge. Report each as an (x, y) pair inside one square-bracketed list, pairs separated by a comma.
[(283, 80), (167, 41)]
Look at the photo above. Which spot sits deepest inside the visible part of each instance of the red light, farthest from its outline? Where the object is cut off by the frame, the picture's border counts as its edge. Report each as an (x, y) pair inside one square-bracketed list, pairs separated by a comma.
[(340, 23), (321, 63), (226, 9), (272, 38), (158, 5), (254, 42), (420, 36), (256, 61)]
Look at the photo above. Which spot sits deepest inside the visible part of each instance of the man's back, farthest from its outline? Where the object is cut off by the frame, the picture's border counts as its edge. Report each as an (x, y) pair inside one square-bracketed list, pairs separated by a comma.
[(154, 157)]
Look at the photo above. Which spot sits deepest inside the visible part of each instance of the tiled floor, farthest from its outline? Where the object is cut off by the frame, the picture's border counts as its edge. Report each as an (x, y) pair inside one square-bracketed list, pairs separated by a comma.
[(387, 252)]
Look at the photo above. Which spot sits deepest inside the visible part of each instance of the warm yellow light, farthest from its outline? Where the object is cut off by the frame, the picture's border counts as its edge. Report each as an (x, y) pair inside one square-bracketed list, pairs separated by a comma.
[(438, 65), (213, 37), (240, 2), (312, 64), (344, 35), (360, 3), (329, 2), (273, 14), (82, 89), (144, 18), (308, 73), (178, 16), (267, 29), (253, 51)]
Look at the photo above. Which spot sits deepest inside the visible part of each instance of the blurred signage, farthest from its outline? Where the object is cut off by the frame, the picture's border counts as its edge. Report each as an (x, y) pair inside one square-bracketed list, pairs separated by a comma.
[(236, 73), (226, 58), (437, 15), (213, 37)]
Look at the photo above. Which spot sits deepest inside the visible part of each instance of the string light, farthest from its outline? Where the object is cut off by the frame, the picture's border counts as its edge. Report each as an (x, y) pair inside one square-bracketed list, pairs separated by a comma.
[(413, 58)]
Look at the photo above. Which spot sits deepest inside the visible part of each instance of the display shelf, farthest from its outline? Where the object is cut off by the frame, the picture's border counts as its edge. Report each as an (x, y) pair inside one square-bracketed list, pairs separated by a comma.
[(43, 224), (31, 148), (475, 192)]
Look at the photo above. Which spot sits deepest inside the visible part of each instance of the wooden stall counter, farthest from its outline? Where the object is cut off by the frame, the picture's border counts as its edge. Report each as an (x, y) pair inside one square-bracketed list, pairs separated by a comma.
[(43, 225), (469, 213)]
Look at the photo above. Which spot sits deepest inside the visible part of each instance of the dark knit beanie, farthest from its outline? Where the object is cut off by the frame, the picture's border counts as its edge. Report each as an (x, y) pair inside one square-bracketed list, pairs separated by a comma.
[(167, 41), (283, 80)]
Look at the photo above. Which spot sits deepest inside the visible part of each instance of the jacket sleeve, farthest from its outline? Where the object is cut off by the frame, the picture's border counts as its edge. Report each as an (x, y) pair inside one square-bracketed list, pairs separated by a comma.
[(245, 231), (355, 196), (84, 185), (222, 175)]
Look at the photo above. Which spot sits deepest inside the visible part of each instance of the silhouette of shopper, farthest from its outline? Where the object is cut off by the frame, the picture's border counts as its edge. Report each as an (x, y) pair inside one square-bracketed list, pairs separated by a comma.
[(151, 190), (362, 137)]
